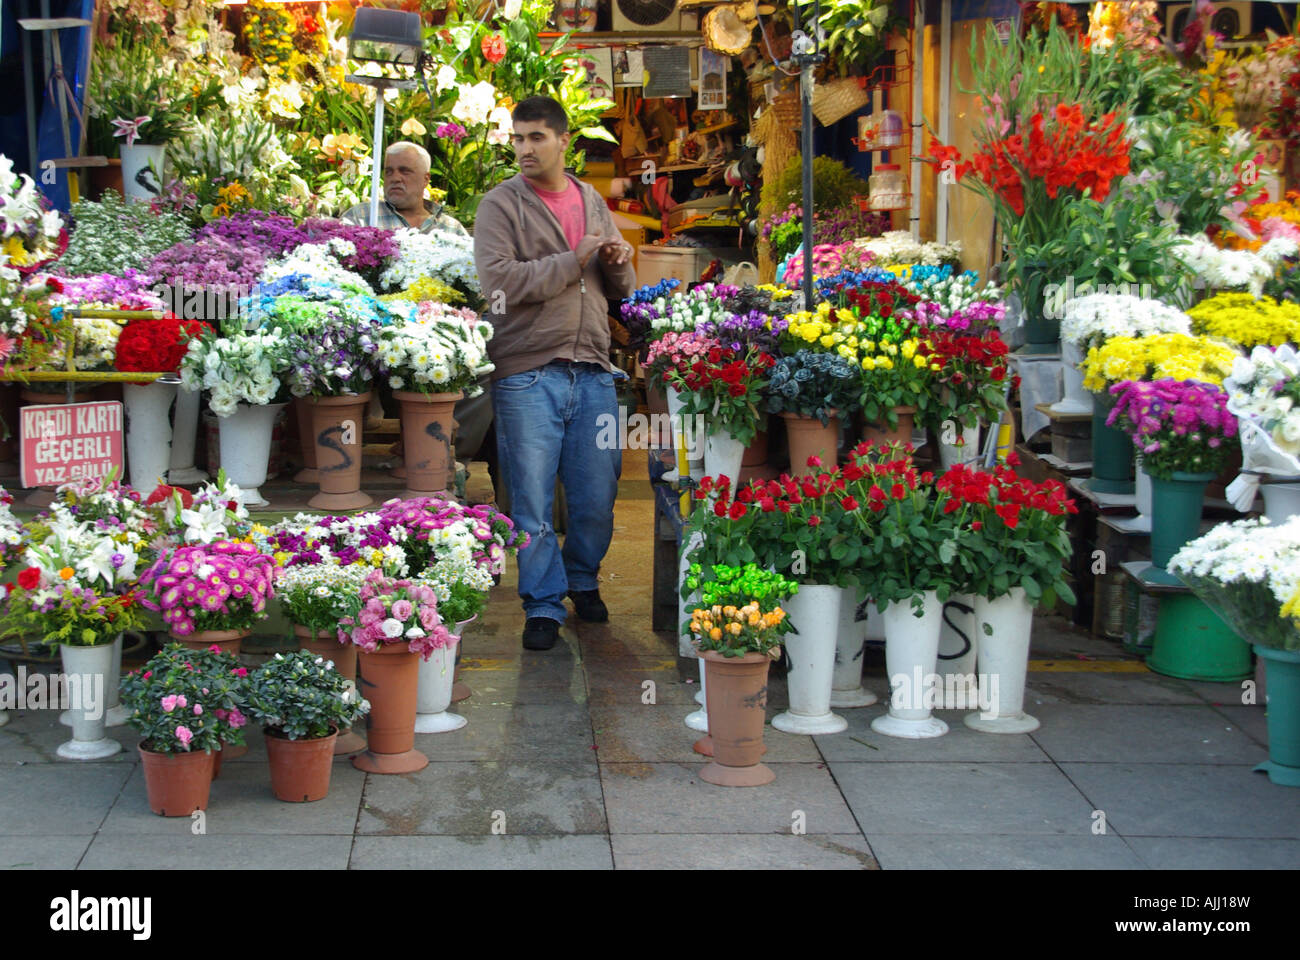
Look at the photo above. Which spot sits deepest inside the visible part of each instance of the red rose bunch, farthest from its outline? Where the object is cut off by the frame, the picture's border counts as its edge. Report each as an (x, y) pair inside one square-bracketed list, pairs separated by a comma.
[(724, 386), (971, 371), (151, 345), (875, 298)]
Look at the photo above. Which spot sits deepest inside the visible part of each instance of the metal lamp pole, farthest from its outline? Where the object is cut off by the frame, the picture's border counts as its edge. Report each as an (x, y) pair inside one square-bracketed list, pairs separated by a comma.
[(381, 84), (808, 54)]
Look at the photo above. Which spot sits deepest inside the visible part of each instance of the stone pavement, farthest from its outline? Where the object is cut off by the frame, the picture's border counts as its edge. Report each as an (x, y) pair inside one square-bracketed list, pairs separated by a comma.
[(563, 766)]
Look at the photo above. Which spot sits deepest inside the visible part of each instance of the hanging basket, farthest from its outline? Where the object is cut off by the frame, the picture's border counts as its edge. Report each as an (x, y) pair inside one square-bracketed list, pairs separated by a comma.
[(726, 32), (835, 100)]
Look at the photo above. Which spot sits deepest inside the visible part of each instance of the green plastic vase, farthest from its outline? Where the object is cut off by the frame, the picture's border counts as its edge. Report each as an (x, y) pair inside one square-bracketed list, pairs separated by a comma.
[(1193, 643), (1112, 451), (1282, 681), (1175, 519), (1042, 333)]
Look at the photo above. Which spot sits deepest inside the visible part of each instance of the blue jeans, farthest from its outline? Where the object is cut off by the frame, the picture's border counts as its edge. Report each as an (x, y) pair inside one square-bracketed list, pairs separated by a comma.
[(547, 423)]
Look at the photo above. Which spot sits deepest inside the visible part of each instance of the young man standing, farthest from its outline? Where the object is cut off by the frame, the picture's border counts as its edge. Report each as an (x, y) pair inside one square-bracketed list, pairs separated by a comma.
[(548, 256)]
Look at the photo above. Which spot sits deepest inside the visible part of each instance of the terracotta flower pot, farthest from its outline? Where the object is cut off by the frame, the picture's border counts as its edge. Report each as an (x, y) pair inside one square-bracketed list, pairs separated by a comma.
[(879, 433), (337, 424), (300, 769), (326, 644), (177, 784), (427, 424), (390, 680), (230, 641), (737, 695), (756, 452), (808, 437), (307, 441)]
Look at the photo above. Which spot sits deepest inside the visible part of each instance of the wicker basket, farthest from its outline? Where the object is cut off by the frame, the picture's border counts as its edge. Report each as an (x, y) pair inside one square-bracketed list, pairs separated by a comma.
[(788, 111), (835, 100)]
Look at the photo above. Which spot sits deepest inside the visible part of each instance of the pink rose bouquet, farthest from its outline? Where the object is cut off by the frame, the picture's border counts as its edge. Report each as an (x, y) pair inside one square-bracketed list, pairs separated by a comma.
[(387, 611), (1176, 425), (677, 351), (223, 585)]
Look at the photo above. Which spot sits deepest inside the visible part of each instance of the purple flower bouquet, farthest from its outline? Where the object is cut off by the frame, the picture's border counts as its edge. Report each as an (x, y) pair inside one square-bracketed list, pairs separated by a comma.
[(1176, 425)]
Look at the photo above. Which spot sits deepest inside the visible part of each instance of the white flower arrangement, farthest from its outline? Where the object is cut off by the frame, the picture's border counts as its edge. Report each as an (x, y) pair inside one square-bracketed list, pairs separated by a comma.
[(898, 247), (438, 254), (1233, 269), (955, 293), (98, 560), (442, 350), (242, 369), (96, 343), (28, 230), (319, 261), (1090, 320), (1257, 391), (683, 312)]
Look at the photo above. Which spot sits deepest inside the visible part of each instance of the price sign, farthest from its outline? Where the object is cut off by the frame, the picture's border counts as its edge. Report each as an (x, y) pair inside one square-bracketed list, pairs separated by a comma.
[(69, 441)]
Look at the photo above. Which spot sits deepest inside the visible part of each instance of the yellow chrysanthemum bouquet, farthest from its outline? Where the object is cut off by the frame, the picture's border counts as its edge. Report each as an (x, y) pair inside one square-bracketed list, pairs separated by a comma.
[(1246, 320), (1175, 356)]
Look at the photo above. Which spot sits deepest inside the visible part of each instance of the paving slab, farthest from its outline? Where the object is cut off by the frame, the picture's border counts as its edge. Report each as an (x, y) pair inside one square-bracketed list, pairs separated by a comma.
[(1189, 733), (181, 849), (671, 798), (623, 636), (1177, 853), (985, 799), (965, 852), (959, 744), (1095, 687), (620, 682), (1252, 721), (656, 734), (1054, 636), (241, 802), (573, 852), (42, 853), (1226, 694), (523, 731), (462, 799), (508, 681), (33, 736), (1188, 800), (741, 852), (63, 799)]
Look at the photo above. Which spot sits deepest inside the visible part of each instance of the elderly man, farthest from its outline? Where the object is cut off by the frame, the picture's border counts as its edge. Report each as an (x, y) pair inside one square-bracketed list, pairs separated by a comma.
[(406, 174)]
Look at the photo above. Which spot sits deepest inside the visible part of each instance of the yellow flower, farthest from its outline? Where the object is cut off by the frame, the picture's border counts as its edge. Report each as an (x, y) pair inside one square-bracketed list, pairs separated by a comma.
[(413, 128), (67, 573)]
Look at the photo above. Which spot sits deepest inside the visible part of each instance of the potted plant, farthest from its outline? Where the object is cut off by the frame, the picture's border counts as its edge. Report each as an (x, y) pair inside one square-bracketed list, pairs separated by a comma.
[(461, 589), (395, 623), (971, 374), (1247, 572), (243, 374), (668, 356), (210, 593), (313, 598), (182, 722), (303, 702), (431, 362), (1014, 539), (1184, 430), (813, 389), (738, 643)]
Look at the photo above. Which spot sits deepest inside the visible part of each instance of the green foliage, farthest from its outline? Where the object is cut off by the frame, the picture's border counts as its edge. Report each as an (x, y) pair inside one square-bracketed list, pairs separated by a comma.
[(113, 236), (834, 185), (303, 696), (464, 603), (210, 690), (856, 30)]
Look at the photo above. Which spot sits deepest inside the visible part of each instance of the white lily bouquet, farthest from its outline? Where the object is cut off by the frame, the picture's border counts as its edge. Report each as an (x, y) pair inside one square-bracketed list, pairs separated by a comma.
[(1249, 572), (440, 349), (243, 368)]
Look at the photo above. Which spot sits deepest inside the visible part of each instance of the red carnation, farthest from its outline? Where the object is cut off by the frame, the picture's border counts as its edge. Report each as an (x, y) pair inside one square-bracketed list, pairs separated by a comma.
[(814, 521), (30, 578)]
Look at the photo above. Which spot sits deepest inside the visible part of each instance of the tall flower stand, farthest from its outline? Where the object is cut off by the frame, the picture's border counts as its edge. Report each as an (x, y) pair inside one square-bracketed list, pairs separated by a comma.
[(1005, 625), (1175, 519), (967, 451), (1142, 496), (1192, 642), (685, 432), (307, 441), (427, 425), (739, 701), (142, 170), (114, 713), (390, 680), (337, 424), (185, 427), (1112, 451), (958, 648), (460, 691), (911, 653), (246, 449), (148, 431), (723, 455), (326, 644), (89, 669), (814, 612), (434, 693), (850, 641), (1077, 399), (807, 438), (1282, 668)]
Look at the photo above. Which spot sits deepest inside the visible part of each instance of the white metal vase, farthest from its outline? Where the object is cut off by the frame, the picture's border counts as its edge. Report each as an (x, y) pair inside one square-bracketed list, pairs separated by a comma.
[(968, 451), (1076, 399), (246, 449), (723, 455), (114, 713), (958, 644), (1281, 501), (91, 667), (433, 696), (685, 432), (1005, 624), (815, 613), (911, 653), (185, 427), (148, 431), (142, 171), (850, 641)]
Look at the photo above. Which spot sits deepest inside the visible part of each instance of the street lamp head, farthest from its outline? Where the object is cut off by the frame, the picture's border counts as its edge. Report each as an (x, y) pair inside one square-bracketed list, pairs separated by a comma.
[(386, 36)]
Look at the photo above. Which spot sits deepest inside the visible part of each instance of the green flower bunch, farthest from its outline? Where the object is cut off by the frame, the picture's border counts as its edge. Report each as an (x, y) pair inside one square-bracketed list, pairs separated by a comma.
[(738, 585)]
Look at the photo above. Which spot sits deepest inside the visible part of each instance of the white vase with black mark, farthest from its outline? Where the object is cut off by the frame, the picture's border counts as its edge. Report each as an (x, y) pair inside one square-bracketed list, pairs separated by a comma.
[(850, 643)]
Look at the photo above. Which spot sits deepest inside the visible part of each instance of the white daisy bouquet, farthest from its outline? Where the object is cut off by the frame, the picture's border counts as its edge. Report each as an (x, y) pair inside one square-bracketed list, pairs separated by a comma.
[(439, 255), (315, 596), (1249, 571), (1233, 269), (244, 368), (96, 343), (461, 588), (440, 350), (1090, 320)]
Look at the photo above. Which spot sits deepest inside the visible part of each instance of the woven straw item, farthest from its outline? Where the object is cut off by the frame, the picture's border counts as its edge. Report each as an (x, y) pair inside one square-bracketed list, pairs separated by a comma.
[(838, 98), (725, 32)]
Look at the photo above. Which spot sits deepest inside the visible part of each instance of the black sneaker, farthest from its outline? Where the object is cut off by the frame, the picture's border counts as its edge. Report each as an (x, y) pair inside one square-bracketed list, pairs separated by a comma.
[(540, 633), (589, 606)]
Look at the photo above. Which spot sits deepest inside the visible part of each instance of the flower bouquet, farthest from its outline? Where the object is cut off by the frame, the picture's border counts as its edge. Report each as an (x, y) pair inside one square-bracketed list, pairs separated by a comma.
[(1264, 393), (245, 368), (34, 234), (1247, 321), (1221, 269), (739, 610), (315, 596), (440, 350), (1177, 426), (814, 384), (971, 373), (435, 530), (12, 536), (1175, 356), (726, 387), (114, 236), (212, 512), (441, 255), (156, 345), (638, 311), (29, 334), (1091, 320), (210, 592)]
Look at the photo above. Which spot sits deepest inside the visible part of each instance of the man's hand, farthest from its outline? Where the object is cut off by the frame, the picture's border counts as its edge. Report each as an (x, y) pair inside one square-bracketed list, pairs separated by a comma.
[(587, 247), (615, 251)]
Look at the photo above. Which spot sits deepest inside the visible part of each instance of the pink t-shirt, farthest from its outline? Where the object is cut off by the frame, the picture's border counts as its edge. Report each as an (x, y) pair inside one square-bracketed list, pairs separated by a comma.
[(568, 208)]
